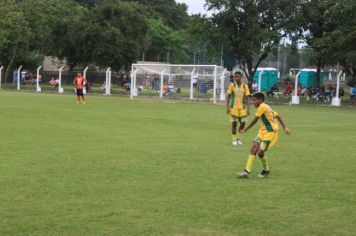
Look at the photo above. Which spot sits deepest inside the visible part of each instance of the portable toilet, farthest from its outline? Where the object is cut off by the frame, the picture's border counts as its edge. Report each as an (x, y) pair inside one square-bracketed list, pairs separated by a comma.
[(308, 78), (268, 79)]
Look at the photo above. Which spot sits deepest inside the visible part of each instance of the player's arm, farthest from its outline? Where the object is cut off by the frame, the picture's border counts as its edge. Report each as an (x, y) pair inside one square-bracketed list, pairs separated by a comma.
[(285, 128), (228, 97), (247, 100), (253, 122), (247, 104)]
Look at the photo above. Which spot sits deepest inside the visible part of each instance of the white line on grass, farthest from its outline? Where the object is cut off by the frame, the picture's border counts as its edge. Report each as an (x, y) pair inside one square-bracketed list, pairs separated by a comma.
[(319, 125)]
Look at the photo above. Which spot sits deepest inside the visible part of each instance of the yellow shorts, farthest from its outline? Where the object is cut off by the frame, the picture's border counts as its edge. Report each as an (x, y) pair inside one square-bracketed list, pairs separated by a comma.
[(266, 139), (237, 114)]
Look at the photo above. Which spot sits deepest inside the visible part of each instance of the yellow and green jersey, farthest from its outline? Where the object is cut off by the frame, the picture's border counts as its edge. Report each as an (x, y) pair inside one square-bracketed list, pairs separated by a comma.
[(238, 93), (268, 117)]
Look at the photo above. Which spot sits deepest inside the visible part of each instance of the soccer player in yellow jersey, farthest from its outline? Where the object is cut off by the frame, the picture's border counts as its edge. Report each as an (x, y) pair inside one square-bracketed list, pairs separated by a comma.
[(237, 105), (267, 135)]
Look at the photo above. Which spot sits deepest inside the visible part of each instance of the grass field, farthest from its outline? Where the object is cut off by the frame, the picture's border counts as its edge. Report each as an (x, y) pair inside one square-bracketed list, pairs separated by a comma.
[(121, 167)]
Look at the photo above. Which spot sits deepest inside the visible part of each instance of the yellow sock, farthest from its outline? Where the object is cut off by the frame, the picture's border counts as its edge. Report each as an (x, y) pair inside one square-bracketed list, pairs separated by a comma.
[(249, 164), (234, 137), (264, 163)]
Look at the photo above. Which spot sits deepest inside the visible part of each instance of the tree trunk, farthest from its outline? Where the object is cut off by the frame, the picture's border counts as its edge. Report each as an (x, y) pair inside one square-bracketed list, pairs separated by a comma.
[(9, 66), (250, 70), (262, 57)]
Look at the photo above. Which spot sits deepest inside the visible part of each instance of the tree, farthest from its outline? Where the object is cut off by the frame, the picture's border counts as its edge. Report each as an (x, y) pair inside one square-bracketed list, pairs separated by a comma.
[(108, 34), (254, 28), (339, 42), (164, 41), (173, 14), (330, 27), (315, 27), (68, 38), (200, 34), (24, 31)]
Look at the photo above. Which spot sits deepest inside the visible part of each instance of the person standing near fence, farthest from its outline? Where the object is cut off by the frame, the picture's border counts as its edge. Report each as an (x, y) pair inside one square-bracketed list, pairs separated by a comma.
[(79, 82), (237, 105)]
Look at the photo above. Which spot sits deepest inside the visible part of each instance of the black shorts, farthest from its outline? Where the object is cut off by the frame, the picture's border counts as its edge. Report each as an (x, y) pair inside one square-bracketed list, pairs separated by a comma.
[(80, 92)]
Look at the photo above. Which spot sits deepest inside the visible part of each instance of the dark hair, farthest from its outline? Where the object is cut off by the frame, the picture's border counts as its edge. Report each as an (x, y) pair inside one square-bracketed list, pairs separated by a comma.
[(238, 73), (259, 96)]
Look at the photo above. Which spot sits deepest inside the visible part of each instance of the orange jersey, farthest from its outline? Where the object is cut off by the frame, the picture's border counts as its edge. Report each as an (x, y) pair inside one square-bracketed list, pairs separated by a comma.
[(79, 82)]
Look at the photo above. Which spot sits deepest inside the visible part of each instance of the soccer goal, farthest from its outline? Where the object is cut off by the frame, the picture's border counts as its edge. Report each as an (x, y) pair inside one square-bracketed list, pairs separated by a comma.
[(190, 82)]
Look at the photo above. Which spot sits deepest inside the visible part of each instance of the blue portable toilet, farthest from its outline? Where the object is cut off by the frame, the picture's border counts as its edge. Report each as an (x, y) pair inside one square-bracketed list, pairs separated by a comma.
[(268, 79), (307, 77)]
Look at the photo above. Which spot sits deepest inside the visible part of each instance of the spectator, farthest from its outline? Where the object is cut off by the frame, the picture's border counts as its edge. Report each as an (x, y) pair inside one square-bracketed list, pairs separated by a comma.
[(103, 87), (272, 91), (341, 92), (288, 90), (156, 83), (254, 87), (14, 76), (319, 93), (301, 91), (231, 78), (39, 79), (53, 82), (88, 87), (195, 80), (309, 92), (23, 76), (330, 92)]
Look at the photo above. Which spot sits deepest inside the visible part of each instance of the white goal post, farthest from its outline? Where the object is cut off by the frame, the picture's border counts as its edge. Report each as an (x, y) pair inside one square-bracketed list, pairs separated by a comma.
[(171, 81)]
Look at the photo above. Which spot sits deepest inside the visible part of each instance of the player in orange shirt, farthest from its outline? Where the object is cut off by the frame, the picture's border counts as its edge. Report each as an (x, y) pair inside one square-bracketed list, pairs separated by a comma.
[(79, 82)]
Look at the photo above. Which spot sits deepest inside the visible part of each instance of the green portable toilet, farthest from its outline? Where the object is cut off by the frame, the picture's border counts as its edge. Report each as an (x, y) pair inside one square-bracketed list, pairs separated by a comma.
[(269, 77), (307, 77)]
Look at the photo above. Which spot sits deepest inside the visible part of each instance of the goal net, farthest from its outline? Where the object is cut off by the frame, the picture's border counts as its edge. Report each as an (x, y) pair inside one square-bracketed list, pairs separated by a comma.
[(191, 82)]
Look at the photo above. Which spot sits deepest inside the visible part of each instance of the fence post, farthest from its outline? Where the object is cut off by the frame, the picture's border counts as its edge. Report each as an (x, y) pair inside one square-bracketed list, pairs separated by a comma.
[(161, 89), (214, 91), (336, 101), (1, 74), (295, 97), (222, 85), (38, 89), (60, 89), (191, 84), (85, 76), (107, 80), (18, 77)]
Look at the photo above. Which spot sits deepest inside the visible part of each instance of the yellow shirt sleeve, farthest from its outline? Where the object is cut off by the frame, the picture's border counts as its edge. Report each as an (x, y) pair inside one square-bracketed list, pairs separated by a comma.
[(261, 109), (247, 91), (230, 89)]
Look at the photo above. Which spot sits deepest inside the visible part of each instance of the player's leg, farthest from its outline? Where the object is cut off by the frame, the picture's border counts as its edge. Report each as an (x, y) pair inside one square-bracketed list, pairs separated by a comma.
[(269, 140), (233, 130), (242, 121), (266, 170), (78, 95), (250, 160), (83, 98)]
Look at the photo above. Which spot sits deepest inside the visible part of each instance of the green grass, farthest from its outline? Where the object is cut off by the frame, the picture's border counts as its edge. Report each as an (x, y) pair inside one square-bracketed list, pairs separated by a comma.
[(121, 167)]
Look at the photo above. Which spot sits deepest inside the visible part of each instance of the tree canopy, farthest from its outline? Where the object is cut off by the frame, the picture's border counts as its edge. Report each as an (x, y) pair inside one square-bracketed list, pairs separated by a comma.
[(117, 33)]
